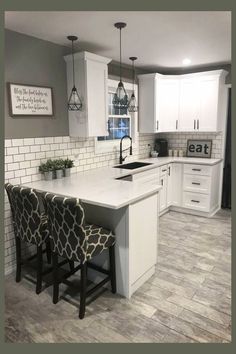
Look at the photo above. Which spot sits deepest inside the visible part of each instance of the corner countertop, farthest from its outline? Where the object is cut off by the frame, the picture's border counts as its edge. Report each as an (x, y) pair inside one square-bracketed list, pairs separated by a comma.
[(101, 187)]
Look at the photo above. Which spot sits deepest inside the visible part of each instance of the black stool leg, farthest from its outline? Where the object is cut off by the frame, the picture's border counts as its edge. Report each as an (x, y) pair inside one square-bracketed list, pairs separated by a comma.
[(55, 278), (72, 265), (48, 252), (39, 269), (18, 259), (112, 268), (83, 288)]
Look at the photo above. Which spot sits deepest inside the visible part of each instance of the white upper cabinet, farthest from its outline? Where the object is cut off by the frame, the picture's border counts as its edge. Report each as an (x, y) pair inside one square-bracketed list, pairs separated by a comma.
[(184, 103), (188, 105), (167, 103), (91, 76), (158, 103)]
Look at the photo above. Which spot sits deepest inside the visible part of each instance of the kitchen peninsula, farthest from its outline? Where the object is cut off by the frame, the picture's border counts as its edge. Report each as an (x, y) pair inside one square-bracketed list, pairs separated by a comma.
[(121, 206)]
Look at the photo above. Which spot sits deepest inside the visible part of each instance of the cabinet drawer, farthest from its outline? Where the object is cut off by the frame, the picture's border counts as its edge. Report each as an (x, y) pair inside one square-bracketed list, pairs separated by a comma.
[(196, 201), (197, 169), (195, 183), (152, 174)]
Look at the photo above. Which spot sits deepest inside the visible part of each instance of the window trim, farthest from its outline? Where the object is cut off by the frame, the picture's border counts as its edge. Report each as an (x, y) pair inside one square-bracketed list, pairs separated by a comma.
[(109, 146)]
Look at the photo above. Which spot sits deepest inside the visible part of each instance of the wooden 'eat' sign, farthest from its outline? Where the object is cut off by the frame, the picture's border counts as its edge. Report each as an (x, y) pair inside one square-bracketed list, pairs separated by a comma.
[(199, 148)]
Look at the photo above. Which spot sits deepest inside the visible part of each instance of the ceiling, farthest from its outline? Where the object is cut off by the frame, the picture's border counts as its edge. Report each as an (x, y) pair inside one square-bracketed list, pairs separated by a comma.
[(159, 39)]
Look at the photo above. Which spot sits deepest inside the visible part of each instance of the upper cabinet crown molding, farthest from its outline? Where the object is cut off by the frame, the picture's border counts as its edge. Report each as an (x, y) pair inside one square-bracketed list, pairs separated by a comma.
[(87, 56), (194, 102), (91, 75)]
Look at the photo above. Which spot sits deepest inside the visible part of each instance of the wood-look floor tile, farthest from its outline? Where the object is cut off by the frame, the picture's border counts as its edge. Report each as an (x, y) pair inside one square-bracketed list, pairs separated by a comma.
[(187, 299), (203, 310), (206, 324)]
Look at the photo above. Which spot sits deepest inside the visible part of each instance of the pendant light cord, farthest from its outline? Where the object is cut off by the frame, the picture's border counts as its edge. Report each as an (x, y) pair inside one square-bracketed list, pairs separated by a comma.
[(120, 54), (73, 65), (133, 76)]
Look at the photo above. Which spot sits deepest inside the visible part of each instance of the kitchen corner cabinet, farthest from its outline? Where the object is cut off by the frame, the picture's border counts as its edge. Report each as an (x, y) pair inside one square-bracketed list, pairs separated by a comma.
[(91, 75), (191, 102), (156, 92)]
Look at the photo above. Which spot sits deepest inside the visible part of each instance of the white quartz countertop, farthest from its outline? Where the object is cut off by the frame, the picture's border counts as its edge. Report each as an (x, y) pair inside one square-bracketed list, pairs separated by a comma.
[(100, 186)]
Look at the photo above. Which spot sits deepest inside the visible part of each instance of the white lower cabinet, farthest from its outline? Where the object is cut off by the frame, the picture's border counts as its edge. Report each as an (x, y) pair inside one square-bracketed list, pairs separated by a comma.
[(188, 187), (164, 182), (177, 183)]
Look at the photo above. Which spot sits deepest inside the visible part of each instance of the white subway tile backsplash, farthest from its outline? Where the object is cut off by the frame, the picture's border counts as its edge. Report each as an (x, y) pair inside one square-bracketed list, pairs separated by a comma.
[(30, 156), (8, 159), (25, 164), (12, 150), (20, 173), (40, 155), (8, 143), (29, 141), (17, 142), (24, 149), (9, 174), (35, 148), (18, 158), (13, 166), (58, 139), (39, 141), (48, 140)]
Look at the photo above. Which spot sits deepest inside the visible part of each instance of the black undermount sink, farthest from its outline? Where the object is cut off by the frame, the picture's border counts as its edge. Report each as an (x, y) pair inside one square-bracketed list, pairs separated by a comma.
[(133, 165)]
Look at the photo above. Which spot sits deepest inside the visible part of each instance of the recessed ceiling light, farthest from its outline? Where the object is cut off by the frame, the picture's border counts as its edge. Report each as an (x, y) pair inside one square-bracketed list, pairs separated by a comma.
[(186, 61)]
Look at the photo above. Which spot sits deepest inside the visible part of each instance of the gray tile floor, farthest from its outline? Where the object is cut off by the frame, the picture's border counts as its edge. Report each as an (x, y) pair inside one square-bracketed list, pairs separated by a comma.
[(187, 300)]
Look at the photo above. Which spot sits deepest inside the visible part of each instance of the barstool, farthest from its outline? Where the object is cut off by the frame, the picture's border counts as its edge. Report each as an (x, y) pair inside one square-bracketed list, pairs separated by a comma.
[(73, 239), (30, 225)]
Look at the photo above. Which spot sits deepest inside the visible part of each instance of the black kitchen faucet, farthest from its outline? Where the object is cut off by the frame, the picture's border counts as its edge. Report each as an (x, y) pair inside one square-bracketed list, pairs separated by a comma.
[(130, 148)]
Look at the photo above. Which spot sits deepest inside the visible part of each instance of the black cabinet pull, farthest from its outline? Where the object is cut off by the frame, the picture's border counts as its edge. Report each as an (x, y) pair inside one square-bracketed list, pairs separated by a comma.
[(169, 170), (198, 184), (163, 170), (196, 169), (162, 182), (195, 201)]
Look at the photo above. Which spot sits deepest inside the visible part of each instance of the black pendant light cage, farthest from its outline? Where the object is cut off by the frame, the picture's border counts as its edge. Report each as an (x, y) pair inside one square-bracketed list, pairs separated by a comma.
[(132, 105), (120, 99), (74, 102)]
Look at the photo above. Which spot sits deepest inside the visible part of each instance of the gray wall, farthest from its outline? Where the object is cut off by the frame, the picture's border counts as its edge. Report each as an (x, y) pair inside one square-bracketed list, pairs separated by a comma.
[(29, 60)]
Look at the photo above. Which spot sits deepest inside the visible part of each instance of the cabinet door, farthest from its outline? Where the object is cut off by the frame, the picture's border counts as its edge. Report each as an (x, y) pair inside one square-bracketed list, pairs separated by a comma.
[(167, 104), (163, 192), (97, 98), (170, 185), (177, 181), (208, 88), (188, 105), (143, 234), (147, 119)]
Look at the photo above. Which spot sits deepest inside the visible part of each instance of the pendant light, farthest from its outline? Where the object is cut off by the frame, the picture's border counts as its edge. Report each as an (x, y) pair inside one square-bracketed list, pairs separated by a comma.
[(132, 106), (74, 103), (120, 99)]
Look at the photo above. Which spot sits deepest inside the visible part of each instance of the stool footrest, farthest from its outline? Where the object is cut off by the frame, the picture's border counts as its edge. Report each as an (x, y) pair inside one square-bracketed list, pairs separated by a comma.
[(98, 286), (98, 268)]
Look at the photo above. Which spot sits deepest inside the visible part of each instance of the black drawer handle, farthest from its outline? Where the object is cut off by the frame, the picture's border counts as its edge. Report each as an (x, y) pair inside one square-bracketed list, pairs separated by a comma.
[(195, 201), (196, 169), (163, 170), (198, 184)]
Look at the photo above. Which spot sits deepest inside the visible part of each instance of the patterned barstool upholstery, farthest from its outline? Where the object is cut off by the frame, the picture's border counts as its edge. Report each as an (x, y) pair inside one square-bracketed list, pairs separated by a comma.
[(75, 240), (30, 225)]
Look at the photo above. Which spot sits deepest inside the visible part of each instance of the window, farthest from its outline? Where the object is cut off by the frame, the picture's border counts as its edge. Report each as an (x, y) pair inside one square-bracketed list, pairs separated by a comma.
[(119, 122)]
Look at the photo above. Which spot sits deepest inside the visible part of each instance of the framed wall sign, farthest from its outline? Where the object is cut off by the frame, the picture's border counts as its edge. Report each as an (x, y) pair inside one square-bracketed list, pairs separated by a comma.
[(199, 148), (27, 100)]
